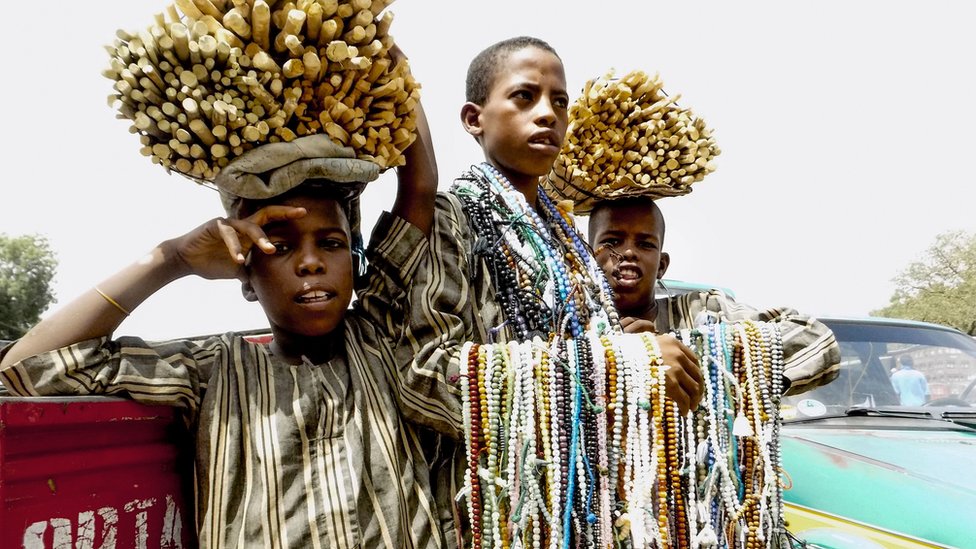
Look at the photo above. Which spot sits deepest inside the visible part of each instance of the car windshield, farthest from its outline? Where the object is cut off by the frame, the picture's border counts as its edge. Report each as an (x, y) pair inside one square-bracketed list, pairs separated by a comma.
[(893, 367)]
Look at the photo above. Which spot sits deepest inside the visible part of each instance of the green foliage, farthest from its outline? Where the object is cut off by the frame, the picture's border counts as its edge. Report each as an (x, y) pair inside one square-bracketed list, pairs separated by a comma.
[(942, 287), (27, 266)]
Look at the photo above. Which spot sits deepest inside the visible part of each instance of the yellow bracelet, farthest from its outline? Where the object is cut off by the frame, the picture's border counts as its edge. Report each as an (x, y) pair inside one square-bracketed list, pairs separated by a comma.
[(112, 301)]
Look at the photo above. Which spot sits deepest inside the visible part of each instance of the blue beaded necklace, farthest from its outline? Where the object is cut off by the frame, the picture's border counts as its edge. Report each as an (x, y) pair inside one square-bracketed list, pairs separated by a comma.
[(544, 273)]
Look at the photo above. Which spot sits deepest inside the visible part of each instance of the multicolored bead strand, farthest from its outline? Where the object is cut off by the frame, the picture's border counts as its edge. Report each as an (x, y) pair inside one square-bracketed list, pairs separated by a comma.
[(572, 440)]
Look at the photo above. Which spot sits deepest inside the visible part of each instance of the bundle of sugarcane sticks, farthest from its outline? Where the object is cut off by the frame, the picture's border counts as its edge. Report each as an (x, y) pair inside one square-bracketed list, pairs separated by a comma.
[(627, 137), (211, 79)]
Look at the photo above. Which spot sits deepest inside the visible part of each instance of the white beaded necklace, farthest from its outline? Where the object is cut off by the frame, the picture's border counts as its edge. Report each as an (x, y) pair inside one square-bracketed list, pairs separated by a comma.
[(548, 474)]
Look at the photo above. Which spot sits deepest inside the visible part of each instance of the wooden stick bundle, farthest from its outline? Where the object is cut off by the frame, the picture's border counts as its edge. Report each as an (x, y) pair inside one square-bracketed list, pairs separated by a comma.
[(212, 79), (626, 137)]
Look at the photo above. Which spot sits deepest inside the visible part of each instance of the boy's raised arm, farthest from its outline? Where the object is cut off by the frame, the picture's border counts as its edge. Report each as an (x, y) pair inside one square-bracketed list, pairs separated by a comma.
[(417, 178), (439, 320), (810, 349), (213, 250)]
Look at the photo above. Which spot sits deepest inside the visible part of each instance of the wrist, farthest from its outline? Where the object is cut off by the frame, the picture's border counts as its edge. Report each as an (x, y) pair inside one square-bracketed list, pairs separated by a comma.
[(165, 259)]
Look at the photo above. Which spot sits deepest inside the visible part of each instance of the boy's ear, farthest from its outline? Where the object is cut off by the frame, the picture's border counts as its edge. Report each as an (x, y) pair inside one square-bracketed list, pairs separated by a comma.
[(248, 291), (471, 119), (663, 265)]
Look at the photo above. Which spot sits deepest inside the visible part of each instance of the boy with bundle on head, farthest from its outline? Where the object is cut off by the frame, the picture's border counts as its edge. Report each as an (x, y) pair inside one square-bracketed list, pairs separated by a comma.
[(627, 236), (506, 264), (299, 443)]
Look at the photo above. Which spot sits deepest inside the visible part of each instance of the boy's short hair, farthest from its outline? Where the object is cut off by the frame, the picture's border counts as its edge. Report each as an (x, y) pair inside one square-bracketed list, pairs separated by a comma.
[(484, 67), (626, 202)]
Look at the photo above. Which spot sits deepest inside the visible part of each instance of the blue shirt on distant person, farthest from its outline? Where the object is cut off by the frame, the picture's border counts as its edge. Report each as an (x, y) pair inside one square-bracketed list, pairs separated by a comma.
[(910, 384)]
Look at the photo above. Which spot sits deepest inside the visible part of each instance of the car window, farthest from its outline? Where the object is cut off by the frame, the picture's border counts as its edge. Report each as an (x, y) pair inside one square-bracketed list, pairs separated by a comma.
[(893, 366)]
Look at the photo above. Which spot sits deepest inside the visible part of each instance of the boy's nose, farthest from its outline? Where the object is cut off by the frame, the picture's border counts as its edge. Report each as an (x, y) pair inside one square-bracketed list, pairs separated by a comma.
[(311, 262), (545, 113)]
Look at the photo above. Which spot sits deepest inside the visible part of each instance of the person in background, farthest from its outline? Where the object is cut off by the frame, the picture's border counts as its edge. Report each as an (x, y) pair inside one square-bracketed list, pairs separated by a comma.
[(909, 383)]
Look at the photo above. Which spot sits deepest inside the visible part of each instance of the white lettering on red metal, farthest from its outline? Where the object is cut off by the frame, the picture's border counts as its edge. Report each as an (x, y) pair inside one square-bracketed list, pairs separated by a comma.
[(85, 533), (172, 537)]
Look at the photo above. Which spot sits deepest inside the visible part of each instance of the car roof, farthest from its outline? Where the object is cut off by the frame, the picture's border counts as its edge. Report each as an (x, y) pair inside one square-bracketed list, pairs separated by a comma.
[(683, 286), (885, 321)]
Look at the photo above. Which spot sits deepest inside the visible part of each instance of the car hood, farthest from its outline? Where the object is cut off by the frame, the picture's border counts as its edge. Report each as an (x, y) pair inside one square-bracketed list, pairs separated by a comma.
[(909, 476)]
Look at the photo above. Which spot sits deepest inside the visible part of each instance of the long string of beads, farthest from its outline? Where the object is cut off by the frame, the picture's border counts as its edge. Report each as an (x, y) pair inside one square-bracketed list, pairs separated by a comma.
[(551, 467), (515, 398), (571, 359), (660, 413), (777, 365), (475, 434), (752, 354), (602, 392)]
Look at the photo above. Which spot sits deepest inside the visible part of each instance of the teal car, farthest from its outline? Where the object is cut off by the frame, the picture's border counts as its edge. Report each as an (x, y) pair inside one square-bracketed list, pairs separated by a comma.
[(884, 456)]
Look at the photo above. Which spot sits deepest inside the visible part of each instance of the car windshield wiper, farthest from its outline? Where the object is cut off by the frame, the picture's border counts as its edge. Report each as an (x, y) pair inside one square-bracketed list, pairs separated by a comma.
[(965, 418), (945, 417), (968, 414), (865, 411)]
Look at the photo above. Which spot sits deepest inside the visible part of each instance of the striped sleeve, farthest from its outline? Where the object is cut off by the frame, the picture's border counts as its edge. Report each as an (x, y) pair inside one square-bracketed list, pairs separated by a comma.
[(166, 373), (395, 252), (439, 319), (810, 350)]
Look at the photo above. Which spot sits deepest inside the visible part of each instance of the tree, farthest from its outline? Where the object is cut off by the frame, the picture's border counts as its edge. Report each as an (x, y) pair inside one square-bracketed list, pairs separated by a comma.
[(942, 287), (27, 266)]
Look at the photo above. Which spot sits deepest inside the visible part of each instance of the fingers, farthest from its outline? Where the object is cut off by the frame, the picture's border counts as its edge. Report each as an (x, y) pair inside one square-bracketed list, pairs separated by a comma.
[(685, 382), (684, 355), (695, 373), (269, 214), (229, 235), (396, 54), (633, 325), (682, 389), (252, 227)]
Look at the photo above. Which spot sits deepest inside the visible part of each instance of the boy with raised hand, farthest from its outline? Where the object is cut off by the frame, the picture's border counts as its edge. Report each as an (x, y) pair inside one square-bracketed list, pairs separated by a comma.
[(300, 442), (505, 262), (627, 236)]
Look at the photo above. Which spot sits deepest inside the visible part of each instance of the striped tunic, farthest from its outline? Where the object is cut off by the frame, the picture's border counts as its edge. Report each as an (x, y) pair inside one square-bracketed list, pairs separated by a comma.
[(310, 455), (811, 354), (453, 301)]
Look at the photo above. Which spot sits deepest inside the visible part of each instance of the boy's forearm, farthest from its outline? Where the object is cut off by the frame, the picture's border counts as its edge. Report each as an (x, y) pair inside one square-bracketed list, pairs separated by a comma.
[(93, 315), (417, 179)]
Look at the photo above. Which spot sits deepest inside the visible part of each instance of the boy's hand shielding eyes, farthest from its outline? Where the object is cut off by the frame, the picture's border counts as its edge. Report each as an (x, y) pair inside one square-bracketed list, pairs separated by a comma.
[(218, 248)]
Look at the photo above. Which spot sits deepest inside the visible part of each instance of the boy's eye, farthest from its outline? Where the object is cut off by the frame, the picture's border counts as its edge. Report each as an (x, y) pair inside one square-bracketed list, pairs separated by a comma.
[(524, 95), (332, 244), (610, 241), (646, 245), (561, 102), (280, 247)]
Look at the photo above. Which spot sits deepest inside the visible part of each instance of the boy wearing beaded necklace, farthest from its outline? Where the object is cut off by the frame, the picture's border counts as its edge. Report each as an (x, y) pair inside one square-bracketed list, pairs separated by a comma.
[(505, 263), (300, 442), (628, 238)]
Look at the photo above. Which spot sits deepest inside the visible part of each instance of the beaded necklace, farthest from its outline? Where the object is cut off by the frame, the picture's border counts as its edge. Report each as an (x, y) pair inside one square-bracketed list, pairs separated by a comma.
[(543, 272), (571, 439), (572, 442)]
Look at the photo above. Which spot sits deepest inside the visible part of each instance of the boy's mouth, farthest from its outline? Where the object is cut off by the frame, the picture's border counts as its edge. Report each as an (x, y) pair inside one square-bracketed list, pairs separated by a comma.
[(546, 138), (627, 276), (314, 296)]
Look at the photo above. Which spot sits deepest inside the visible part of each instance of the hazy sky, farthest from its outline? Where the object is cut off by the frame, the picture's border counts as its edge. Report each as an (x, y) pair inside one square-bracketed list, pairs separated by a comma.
[(846, 131)]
